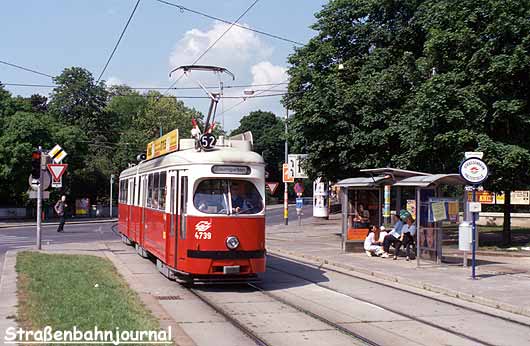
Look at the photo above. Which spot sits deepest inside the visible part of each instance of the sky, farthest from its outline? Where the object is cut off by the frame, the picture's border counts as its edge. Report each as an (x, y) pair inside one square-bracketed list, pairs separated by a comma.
[(50, 35)]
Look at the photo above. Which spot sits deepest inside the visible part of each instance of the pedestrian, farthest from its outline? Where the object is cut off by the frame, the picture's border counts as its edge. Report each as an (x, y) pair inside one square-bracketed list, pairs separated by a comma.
[(393, 238), (60, 207), (407, 235), (372, 247)]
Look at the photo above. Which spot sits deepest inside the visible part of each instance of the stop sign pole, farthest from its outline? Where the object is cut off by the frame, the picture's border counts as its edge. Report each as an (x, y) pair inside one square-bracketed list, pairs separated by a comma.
[(39, 203), (475, 172)]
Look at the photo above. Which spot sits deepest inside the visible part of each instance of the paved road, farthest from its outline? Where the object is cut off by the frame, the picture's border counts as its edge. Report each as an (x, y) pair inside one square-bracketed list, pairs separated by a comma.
[(275, 215), (25, 237)]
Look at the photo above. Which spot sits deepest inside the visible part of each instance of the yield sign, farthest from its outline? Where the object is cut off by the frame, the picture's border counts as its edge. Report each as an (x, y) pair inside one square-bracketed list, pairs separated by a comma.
[(57, 170), (272, 187)]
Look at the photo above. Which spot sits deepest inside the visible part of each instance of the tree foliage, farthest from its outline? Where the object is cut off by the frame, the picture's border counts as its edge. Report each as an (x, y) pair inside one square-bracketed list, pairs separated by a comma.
[(102, 130), (421, 83), (415, 84), (268, 135)]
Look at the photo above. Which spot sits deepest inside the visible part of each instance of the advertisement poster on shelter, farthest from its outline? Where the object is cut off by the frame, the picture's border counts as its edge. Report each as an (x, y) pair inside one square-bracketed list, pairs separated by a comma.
[(82, 206)]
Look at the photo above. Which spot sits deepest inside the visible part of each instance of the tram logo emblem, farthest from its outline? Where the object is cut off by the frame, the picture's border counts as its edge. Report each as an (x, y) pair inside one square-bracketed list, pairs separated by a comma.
[(203, 226)]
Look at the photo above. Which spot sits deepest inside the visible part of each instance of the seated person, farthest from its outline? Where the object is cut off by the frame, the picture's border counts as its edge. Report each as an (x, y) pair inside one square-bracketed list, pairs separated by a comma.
[(201, 203), (382, 234), (245, 198), (371, 245), (407, 236), (361, 218), (393, 238)]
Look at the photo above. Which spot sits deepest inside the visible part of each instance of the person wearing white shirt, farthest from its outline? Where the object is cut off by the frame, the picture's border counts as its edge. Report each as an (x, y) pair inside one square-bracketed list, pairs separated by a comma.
[(407, 236), (371, 245)]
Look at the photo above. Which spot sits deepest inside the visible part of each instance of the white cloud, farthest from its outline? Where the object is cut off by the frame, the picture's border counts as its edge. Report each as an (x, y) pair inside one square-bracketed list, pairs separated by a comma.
[(240, 51), (237, 47), (114, 81), (265, 73)]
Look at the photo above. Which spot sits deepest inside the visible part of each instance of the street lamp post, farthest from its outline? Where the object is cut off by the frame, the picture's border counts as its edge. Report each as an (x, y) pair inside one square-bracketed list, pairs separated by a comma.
[(110, 203)]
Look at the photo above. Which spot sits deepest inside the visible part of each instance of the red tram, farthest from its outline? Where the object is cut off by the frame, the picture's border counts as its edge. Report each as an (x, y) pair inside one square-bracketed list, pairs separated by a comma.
[(201, 214)]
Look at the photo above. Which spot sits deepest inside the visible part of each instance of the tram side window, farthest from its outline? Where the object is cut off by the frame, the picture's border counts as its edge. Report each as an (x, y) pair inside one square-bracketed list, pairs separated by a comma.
[(150, 191), (122, 194), (155, 200), (162, 191)]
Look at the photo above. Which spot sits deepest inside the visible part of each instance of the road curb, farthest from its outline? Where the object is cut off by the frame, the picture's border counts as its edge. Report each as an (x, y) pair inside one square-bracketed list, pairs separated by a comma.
[(76, 222), (179, 335), (324, 263), (8, 293)]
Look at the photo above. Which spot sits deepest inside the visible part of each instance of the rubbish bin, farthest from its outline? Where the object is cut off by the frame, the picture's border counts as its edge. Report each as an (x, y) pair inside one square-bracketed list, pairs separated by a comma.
[(93, 210), (465, 236)]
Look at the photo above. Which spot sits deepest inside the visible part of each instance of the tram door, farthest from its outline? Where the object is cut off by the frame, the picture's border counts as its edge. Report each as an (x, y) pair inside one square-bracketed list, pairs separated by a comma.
[(141, 236), (130, 206), (171, 241), (182, 215)]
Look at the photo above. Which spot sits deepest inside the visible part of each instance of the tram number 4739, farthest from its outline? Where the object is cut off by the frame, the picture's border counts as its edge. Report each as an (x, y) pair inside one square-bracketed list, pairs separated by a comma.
[(203, 235)]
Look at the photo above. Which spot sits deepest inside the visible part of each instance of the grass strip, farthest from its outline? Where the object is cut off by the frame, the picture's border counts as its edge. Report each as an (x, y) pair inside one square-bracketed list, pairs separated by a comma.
[(60, 291)]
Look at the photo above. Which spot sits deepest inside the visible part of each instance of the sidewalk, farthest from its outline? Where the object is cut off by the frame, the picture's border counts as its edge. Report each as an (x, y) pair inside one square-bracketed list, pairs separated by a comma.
[(503, 282)]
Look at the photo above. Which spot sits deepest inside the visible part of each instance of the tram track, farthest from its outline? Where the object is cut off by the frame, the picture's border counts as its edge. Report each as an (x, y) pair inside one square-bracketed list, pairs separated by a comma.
[(247, 331), (408, 291), (390, 309), (318, 317), (258, 340)]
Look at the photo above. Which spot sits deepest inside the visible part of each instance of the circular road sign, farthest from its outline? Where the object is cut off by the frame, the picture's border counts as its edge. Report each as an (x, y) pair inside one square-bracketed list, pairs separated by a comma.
[(299, 188), (45, 180), (473, 170)]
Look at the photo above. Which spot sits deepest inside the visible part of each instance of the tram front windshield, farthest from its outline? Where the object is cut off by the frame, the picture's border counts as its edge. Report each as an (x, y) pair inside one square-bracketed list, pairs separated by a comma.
[(227, 196)]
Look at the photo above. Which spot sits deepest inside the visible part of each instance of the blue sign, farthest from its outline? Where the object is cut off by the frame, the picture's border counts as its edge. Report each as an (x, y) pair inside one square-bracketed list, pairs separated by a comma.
[(299, 203)]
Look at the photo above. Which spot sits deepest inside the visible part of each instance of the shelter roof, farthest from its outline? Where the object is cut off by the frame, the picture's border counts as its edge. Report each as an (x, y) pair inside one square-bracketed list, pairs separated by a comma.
[(432, 179), (396, 172), (363, 181)]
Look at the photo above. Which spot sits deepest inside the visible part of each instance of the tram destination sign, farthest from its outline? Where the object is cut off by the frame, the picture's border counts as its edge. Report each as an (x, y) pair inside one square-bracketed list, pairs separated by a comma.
[(473, 170), (226, 169)]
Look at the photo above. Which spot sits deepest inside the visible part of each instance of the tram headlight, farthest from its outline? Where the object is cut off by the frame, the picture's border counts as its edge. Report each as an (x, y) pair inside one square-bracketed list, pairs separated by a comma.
[(232, 242)]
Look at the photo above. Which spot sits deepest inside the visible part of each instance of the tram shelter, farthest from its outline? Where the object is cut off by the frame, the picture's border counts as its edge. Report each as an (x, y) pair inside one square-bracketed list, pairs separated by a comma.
[(383, 189)]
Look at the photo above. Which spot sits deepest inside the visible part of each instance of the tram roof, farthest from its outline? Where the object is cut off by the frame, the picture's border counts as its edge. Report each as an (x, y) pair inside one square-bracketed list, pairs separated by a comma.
[(219, 155)]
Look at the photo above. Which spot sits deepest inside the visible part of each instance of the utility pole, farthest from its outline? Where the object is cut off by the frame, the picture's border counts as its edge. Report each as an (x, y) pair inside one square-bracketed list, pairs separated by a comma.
[(39, 203), (286, 185), (111, 182)]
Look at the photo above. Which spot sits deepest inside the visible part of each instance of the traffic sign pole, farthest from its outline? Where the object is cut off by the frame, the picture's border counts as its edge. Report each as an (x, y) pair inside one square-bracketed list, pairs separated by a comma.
[(39, 206), (475, 172), (473, 236)]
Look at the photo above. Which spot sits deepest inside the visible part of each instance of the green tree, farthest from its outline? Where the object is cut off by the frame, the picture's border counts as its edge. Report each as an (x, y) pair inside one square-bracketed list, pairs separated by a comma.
[(142, 117), (414, 84), (79, 100), (23, 133), (268, 134)]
